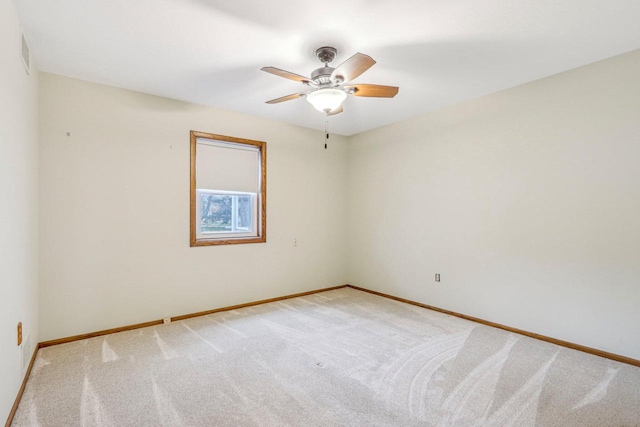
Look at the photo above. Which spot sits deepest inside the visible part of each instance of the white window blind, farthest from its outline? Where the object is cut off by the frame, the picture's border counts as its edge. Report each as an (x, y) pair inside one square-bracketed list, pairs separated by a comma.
[(227, 166)]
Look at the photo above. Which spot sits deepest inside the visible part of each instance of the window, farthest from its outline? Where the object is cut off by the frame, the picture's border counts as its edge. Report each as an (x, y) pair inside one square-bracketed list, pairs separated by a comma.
[(228, 190)]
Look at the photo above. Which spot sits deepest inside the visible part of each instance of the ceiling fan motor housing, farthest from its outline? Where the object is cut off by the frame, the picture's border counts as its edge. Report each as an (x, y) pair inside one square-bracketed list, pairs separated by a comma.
[(322, 75)]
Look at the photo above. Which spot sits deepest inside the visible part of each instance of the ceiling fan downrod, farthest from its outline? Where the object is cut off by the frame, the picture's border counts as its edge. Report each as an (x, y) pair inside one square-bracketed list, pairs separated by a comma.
[(322, 76)]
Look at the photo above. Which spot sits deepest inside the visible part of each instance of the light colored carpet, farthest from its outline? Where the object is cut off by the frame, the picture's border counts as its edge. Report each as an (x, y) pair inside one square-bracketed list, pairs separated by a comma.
[(337, 358)]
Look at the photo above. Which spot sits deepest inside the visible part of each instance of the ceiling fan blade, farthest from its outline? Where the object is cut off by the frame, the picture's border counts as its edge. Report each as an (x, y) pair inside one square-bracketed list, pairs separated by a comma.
[(352, 68), (287, 98), (286, 74), (375, 91), (336, 111)]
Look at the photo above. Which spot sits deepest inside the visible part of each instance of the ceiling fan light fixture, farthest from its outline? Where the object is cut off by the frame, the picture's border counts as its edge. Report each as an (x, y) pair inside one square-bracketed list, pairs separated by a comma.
[(326, 100)]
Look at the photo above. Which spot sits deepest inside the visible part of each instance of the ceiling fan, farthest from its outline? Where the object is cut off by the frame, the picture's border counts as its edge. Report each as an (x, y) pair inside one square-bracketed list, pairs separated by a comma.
[(330, 85)]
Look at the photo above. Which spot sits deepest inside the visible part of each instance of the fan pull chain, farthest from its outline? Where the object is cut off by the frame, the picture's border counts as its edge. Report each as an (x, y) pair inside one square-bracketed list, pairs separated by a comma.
[(326, 130)]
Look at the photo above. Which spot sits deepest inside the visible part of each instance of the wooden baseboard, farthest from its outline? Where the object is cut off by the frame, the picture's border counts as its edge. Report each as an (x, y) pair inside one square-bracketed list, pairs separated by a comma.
[(249, 304), (14, 408), (567, 344), (181, 317), (583, 348), (99, 333)]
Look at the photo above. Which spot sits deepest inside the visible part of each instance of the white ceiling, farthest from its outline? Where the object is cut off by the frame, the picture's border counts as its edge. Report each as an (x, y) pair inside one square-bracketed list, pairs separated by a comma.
[(439, 52)]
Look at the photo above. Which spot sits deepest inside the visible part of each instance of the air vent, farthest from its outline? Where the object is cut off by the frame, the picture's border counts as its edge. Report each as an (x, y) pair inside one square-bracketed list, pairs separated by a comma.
[(24, 53)]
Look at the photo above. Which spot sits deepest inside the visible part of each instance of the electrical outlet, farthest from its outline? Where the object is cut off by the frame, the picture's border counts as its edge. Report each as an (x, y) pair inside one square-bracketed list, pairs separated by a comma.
[(437, 277), (295, 241), (19, 333), (166, 320)]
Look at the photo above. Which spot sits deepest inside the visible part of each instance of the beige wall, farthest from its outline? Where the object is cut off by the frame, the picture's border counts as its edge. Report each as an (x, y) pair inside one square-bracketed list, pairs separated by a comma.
[(527, 202), (18, 208), (115, 211)]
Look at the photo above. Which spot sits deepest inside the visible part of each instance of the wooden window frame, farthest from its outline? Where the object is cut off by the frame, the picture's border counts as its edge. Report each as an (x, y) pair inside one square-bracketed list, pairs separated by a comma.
[(262, 202)]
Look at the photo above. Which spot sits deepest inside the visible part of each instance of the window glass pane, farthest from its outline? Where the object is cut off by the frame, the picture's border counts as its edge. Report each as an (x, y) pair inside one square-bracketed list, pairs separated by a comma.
[(243, 220), (216, 212)]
